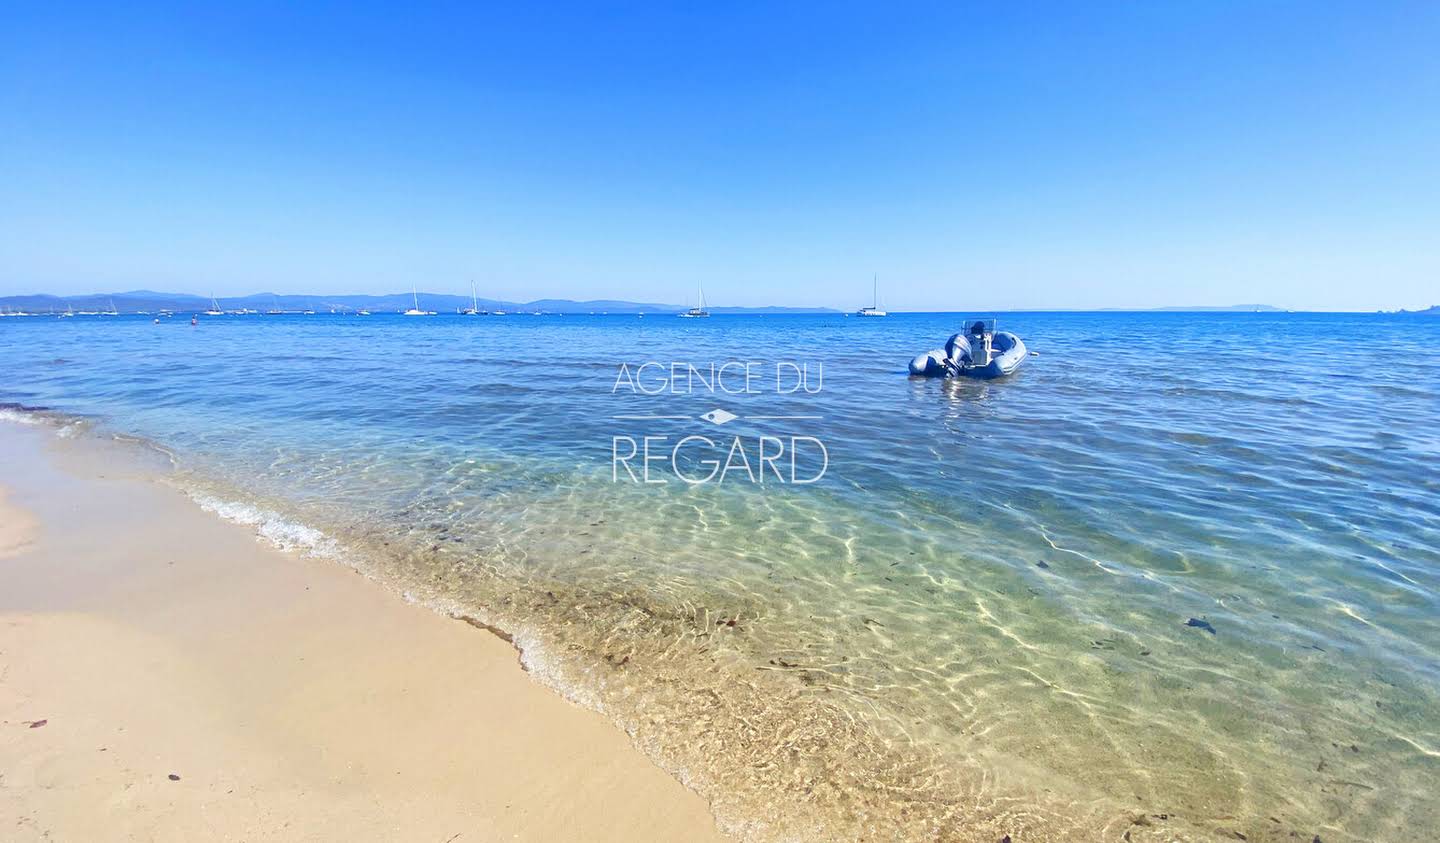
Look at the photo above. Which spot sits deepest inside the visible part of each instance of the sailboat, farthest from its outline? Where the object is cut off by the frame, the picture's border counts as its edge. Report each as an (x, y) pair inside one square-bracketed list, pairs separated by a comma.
[(874, 308), (69, 312), (112, 311), (214, 307), (415, 311), (474, 303), (697, 312), (275, 311)]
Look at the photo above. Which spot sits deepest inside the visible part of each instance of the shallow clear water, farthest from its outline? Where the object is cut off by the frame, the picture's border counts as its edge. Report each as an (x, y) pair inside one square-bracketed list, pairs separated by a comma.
[(1178, 577)]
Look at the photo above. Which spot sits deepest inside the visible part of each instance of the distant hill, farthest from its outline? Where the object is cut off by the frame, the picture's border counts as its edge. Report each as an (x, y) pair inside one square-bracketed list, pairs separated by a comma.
[(1432, 310), (1229, 308), (149, 301)]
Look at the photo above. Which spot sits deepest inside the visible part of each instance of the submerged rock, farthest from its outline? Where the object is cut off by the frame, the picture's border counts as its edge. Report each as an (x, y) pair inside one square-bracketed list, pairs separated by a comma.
[(1198, 623)]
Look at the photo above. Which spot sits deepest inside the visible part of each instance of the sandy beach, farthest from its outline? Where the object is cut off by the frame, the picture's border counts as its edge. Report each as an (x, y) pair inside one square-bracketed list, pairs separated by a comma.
[(165, 676)]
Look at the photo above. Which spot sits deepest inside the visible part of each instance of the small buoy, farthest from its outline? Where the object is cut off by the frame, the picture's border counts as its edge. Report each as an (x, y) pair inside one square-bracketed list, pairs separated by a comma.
[(1034, 354)]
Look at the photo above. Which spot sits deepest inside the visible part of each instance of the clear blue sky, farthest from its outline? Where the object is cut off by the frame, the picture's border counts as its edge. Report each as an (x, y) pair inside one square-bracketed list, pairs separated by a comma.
[(984, 155)]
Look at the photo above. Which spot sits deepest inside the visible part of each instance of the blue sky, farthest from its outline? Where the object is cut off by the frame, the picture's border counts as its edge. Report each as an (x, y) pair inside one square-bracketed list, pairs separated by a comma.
[(976, 156)]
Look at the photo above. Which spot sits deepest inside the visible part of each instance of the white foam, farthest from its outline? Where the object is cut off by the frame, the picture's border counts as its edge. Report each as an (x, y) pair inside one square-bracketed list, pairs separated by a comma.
[(65, 426), (19, 416), (270, 526)]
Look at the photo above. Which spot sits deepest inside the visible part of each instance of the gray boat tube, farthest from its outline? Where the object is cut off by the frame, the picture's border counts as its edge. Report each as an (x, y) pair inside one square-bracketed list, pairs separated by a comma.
[(1008, 352), (931, 364)]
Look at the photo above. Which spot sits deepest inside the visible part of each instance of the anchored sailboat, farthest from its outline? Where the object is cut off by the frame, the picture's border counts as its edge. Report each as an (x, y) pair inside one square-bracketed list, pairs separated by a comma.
[(474, 303), (214, 307), (874, 308), (416, 311), (697, 312)]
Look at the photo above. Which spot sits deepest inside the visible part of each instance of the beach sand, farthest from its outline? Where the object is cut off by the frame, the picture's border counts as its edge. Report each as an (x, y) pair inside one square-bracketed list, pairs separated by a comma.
[(165, 676)]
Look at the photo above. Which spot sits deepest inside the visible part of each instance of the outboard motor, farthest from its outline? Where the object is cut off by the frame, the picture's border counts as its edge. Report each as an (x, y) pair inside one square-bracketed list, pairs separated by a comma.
[(957, 351)]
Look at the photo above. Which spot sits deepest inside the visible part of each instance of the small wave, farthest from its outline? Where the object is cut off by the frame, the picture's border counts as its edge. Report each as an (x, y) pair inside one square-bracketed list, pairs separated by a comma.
[(19, 416), (22, 414), (270, 526), (69, 430), (66, 425)]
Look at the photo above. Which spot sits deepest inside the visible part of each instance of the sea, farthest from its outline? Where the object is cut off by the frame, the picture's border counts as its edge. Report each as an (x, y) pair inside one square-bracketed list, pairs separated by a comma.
[(1177, 578)]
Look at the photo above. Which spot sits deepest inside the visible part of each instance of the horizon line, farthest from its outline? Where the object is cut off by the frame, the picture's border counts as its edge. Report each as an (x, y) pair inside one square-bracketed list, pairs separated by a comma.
[(333, 300)]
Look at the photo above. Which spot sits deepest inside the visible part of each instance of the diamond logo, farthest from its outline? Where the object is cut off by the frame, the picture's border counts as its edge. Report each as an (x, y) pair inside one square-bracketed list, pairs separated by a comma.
[(719, 416)]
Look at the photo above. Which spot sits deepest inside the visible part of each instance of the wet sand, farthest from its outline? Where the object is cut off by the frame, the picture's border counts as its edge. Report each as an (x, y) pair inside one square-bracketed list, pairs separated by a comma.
[(165, 676)]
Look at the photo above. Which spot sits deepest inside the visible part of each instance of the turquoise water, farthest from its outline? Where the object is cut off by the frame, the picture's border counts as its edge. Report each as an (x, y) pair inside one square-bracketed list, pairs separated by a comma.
[(1177, 578)]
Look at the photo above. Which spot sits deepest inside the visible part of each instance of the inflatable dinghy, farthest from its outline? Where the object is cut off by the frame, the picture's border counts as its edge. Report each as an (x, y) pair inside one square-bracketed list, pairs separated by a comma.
[(982, 352)]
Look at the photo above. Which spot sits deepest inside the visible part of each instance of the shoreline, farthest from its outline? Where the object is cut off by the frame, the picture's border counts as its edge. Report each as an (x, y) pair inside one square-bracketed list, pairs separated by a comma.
[(822, 773), (192, 682)]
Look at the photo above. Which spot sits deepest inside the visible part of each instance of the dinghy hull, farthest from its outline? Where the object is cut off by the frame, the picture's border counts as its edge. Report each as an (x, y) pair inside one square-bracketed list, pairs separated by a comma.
[(1002, 363), (954, 360)]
